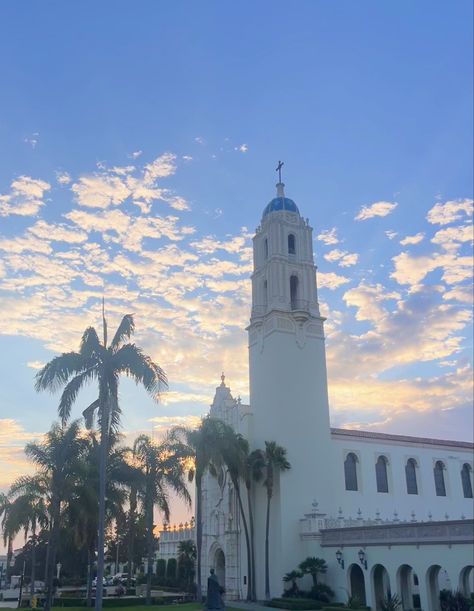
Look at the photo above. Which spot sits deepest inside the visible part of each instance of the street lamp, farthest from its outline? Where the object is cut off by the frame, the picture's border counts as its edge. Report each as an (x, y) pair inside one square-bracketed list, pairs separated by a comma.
[(339, 558), (362, 558)]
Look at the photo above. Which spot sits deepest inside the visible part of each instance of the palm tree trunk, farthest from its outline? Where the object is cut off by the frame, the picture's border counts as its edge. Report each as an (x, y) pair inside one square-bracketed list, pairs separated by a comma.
[(267, 566), (104, 442), (199, 537), (9, 558), (252, 543), (149, 538), (33, 564), (247, 541), (131, 534), (52, 547)]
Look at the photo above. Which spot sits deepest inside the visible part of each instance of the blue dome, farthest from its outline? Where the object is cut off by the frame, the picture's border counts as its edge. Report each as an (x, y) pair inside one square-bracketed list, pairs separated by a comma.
[(281, 203)]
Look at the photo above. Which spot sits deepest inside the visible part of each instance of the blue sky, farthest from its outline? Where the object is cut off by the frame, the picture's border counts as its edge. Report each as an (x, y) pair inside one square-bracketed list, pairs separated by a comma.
[(138, 143)]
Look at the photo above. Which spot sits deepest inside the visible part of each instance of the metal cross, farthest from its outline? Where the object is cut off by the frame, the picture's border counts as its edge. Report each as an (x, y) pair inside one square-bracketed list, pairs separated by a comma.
[(280, 164)]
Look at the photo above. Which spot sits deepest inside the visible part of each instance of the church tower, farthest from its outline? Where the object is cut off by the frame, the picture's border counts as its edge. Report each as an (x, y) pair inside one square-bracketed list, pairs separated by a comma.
[(288, 381)]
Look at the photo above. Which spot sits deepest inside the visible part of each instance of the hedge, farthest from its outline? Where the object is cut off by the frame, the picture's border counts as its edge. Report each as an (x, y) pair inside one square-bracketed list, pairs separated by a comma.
[(110, 602), (295, 604)]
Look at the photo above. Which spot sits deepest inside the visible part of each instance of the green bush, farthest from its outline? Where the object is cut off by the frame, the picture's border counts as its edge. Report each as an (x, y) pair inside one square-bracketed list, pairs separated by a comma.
[(294, 604)]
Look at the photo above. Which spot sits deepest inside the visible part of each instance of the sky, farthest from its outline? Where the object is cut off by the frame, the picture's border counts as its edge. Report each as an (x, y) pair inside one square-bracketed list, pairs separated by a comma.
[(138, 146)]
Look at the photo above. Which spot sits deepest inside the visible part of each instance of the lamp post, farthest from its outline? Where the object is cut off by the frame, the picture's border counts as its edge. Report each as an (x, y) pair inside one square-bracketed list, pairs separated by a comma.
[(339, 558), (362, 558)]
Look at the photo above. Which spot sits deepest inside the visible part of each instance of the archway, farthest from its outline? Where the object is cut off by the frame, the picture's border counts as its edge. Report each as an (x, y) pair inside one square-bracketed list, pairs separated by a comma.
[(219, 566), (466, 581), (407, 585), (357, 584), (381, 584), (437, 579)]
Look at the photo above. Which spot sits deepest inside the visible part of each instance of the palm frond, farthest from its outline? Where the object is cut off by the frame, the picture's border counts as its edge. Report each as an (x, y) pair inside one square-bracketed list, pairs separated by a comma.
[(90, 343), (124, 331), (57, 372), (131, 361), (71, 391)]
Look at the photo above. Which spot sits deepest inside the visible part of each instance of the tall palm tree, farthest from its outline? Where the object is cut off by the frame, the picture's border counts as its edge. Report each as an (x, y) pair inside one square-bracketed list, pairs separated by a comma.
[(102, 362), (57, 458), (30, 506), (275, 462), (253, 473), (235, 452), (83, 511), (204, 448), (163, 470)]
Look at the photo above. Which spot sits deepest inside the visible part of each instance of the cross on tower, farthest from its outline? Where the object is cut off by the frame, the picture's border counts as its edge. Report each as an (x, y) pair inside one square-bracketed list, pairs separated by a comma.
[(278, 169)]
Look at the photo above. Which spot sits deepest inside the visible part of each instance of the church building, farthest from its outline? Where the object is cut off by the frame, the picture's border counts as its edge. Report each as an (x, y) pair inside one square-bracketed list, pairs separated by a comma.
[(388, 513)]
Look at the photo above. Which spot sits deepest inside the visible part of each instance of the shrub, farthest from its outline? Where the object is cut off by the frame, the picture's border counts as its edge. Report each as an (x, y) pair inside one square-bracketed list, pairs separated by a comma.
[(391, 603), (321, 592), (294, 604)]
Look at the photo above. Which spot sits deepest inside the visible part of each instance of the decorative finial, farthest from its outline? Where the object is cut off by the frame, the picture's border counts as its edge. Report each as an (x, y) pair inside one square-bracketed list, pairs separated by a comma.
[(223, 379)]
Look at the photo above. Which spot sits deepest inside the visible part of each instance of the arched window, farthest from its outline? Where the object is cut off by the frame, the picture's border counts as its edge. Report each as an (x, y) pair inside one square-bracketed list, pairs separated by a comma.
[(350, 471), (439, 478), (294, 292), (265, 248), (291, 244), (410, 476), (466, 480), (381, 474)]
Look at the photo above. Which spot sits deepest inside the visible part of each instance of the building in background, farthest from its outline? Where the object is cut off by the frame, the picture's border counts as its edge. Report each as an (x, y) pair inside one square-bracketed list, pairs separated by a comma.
[(388, 513)]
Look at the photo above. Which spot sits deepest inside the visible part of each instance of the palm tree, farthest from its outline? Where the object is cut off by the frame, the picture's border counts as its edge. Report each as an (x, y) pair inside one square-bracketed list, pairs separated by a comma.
[(313, 566), (104, 363), (292, 576), (186, 560), (275, 462), (163, 470), (204, 448), (253, 473), (30, 507), (57, 458), (83, 503), (7, 530), (235, 454)]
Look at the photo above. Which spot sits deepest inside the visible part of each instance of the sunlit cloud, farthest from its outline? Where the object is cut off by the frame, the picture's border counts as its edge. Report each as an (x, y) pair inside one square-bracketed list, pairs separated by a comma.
[(330, 280), (450, 211), (328, 236), (341, 257), (412, 239), (25, 198), (376, 209)]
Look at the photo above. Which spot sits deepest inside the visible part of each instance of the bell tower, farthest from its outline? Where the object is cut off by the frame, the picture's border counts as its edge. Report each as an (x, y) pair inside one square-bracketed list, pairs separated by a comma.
[(288, 380)]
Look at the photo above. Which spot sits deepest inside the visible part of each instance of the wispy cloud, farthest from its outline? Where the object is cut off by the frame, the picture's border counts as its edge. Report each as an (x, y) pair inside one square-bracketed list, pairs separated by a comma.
[(328, 236), (25, 198), (450, 211), (376, 209), (412, 239), (342, 257)]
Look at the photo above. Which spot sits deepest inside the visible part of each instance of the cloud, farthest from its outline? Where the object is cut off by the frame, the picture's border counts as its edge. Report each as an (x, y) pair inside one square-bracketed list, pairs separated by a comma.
[(136, 154), (243, 148), (391, 234), (199, 140), (464, 294), (450, 211), (186, 158), (35, 364), (328, 236), (13, 438), (412, 239), (25, 197), (58, 232), (32, 140), (451, 238), (413, 270), (376, 209), (330, 280), (342, 257), (63, 178)]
